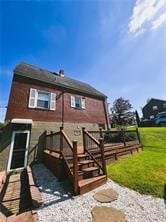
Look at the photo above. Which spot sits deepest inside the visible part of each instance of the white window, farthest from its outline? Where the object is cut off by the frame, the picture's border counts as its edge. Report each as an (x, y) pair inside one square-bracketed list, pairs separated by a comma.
[(78, 102), (164, 105), (155, 107), (41, 99)]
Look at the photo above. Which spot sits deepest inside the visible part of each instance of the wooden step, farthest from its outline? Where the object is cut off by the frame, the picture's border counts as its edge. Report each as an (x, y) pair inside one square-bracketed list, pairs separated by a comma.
[(83, 164), (82, 155), (90, 172), (87, 185), (86, 161), (90, 169)]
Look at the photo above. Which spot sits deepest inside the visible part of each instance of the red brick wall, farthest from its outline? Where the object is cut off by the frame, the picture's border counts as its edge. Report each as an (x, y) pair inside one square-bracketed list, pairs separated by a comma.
[(18, 106)]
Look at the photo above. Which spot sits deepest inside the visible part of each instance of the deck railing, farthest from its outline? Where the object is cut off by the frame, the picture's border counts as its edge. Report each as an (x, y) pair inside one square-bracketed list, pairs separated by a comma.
[(116, 136), (60, 143), (90, 145), (52, 141)]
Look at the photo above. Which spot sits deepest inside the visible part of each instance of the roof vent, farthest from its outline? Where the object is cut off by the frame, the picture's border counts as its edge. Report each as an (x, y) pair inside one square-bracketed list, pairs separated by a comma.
[(61, 72)]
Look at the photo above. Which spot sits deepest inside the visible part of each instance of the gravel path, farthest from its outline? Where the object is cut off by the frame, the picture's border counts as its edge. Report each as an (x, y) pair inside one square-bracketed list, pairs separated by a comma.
[(60, 206)]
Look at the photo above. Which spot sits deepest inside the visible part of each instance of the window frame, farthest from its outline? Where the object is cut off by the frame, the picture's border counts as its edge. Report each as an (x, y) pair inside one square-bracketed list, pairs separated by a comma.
[(34, 99), (44, 92), (81, 102), (155, 107), (164, 105)]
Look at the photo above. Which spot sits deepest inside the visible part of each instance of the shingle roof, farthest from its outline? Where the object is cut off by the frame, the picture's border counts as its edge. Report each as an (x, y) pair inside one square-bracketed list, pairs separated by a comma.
[(36, 73), (152, 99)]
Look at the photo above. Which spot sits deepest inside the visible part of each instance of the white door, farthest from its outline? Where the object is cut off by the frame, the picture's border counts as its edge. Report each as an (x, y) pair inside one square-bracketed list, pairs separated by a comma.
[(18, 150)]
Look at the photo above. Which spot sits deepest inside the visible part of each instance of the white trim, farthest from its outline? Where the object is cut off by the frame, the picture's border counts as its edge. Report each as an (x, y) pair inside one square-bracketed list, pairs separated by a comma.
[(72, 102), (12, 146), (22, 121), (32, 98)]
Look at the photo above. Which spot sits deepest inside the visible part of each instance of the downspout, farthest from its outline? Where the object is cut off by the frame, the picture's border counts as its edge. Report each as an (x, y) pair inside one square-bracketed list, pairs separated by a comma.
[(106, 113), (63, 108)]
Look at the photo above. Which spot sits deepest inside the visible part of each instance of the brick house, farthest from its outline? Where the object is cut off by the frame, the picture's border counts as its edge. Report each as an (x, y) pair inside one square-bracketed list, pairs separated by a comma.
[(42, 100), (153, 107)]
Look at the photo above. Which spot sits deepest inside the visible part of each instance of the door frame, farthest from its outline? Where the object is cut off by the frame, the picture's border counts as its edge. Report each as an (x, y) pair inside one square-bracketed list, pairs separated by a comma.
[(12, 146)]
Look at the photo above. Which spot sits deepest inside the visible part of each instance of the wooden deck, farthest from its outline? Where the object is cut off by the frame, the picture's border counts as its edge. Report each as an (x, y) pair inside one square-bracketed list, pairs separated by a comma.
[(86, 171)]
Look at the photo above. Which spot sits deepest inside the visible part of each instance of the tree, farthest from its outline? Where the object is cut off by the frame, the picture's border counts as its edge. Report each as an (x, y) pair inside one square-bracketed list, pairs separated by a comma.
[(121, 114)]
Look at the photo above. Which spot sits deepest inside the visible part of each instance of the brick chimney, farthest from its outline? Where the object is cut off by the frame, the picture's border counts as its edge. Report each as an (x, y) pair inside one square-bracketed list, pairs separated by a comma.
[(61, 73)]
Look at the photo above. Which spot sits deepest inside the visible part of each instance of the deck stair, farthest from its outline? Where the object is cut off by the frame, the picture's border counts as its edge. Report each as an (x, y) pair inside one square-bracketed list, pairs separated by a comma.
[(89, 174), (83, 170)]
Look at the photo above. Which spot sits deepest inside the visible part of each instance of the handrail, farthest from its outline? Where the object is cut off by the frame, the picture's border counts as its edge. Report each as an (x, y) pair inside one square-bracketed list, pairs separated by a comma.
[(69, 146), (92, 138), (53, 134), (111, 131), (73, 146), (67, 139), (100, 144), (53, 151), (93, 158), (123, 133)]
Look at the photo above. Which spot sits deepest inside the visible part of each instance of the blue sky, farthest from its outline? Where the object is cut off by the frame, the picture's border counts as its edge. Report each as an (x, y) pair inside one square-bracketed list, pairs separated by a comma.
[(118, 46)]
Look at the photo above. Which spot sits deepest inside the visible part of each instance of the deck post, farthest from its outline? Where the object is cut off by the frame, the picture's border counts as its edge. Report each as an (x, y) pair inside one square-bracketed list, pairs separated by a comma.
[(44, 139), (123, 137), (75, 167), (138, 136), (61, 139), (101, 140), (83, 136), (51, 139), (101, 132)]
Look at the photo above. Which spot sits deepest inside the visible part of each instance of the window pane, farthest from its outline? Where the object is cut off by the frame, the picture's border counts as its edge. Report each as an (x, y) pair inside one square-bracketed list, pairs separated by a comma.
[(77, 102), (42, 104), (43, 100), (43, 96), (155, 107)]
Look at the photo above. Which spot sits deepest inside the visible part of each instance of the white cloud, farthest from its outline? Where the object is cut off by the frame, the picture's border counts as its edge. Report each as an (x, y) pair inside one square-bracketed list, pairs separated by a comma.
[(147, 14), (158, 22)]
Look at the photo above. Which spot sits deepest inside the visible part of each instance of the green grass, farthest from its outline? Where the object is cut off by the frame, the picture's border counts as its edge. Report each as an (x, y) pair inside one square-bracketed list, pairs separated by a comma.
[(144, 172)]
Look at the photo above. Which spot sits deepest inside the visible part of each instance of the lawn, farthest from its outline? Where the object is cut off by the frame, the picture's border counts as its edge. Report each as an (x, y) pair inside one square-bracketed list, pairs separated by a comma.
[(144, 172)]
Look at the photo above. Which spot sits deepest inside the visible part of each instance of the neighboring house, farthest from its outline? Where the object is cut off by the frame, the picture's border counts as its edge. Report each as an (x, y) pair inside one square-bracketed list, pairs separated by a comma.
[(153, 107), (42, 100)]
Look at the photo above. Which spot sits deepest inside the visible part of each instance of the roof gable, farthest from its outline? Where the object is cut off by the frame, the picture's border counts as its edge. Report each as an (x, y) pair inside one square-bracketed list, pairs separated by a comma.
[(152, 100), (53, 78)]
